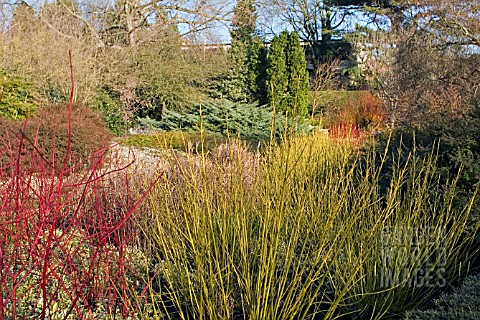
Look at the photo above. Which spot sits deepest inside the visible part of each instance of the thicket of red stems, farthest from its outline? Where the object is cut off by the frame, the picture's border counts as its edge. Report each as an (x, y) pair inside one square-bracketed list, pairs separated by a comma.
[(64, 235), (347, 131), (359, 109)]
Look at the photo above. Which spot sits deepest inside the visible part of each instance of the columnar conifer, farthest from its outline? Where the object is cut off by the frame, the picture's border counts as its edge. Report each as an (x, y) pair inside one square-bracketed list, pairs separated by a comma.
[(298, 81), (277, 76), (287, 76)]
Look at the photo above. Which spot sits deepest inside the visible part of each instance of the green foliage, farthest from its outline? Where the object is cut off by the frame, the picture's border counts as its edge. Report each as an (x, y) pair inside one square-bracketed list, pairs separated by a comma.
[(240, 82), (109, 105), (463, 304), (159, 74), (277, 76), (233, 85), (257, 64), (16, 97), (160, 83), (244, 21), (287, 77), (249, 122), (335, 100), (244, 81), (298, 79)]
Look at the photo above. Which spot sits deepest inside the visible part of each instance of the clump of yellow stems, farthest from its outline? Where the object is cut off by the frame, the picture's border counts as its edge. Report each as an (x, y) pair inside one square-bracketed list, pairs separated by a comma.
[(308, 233)]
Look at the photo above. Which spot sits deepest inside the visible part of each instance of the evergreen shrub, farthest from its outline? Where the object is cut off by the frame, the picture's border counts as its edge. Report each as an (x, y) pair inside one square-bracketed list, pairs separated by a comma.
[(113, 112), (298, 79), (249, 122), (277, 77), (462, 304), (244, 81), (287, 78), (16, 99)]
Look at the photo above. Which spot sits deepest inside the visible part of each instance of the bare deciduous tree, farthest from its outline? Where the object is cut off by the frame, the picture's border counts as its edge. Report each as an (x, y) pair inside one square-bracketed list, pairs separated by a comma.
[(325, 79), (435, 75), (127, 19)]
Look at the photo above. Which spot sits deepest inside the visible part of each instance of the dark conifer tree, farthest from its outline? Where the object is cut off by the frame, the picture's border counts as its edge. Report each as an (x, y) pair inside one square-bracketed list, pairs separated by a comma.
[(298, 80), (277, 74)]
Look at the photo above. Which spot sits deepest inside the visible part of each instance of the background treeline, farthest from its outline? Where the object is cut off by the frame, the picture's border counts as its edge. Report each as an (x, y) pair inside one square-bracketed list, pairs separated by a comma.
[(118, 79)]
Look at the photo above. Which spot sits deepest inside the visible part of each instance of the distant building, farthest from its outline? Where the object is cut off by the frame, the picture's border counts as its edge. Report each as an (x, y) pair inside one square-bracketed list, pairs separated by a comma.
[(338, 49)]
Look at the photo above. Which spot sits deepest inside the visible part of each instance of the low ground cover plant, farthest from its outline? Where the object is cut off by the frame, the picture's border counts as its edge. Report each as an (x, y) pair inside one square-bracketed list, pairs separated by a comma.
[(249, 122), (463, 303)]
